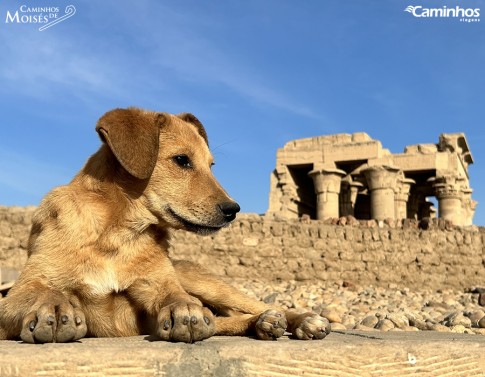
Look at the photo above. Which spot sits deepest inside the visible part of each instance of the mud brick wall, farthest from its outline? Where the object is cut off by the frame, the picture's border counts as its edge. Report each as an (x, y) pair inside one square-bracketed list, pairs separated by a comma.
[(15, 225), (271, 249), (254, 247)]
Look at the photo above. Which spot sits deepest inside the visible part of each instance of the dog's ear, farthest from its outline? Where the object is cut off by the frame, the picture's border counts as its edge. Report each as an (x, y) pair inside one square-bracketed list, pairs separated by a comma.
[(190, 118), (133, 137)]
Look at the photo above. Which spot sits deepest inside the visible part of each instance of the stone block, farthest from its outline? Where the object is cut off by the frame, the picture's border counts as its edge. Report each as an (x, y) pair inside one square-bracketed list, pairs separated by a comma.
[(277, 229), (373, 256)]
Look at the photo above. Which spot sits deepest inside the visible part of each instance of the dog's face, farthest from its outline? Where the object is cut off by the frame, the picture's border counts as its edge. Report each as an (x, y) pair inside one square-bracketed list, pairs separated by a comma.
[(172, 154)]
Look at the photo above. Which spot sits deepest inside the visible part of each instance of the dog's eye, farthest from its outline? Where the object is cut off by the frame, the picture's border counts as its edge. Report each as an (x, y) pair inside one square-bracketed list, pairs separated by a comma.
[(183, 161)]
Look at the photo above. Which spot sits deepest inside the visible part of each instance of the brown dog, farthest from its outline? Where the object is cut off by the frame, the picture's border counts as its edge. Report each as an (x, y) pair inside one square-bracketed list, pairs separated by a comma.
[(98, 261)]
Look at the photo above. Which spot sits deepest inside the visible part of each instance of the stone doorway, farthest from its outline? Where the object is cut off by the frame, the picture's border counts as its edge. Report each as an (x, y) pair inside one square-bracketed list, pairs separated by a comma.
[(306, 200)]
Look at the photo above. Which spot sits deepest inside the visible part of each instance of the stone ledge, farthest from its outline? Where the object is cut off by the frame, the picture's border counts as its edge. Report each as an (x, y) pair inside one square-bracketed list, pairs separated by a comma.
[(348, 353)]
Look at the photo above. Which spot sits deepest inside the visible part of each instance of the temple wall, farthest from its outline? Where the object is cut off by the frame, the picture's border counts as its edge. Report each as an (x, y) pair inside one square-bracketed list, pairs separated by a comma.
[(360, 252)]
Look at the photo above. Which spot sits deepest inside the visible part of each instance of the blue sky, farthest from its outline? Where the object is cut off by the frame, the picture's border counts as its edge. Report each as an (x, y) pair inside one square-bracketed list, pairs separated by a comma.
[(257, 73)]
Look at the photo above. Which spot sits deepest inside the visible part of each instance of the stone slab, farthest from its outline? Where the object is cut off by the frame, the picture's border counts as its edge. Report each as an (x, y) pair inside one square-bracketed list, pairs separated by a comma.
[(343, 353)]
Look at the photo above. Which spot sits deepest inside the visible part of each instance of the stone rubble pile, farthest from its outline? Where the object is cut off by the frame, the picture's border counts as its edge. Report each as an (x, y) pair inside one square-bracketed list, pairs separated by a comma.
[(369, 308)]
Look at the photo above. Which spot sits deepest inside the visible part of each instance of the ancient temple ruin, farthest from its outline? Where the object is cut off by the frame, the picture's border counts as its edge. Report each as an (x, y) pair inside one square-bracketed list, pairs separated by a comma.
[(339, 175)]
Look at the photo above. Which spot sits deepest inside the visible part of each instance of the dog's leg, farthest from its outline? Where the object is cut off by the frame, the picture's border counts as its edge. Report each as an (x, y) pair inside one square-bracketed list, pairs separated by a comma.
[(179, 316), (243, 315), (36, 314), (260, 319)]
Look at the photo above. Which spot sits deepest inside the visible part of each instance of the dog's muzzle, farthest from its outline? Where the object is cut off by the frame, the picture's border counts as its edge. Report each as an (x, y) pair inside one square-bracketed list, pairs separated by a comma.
[(226, 212)]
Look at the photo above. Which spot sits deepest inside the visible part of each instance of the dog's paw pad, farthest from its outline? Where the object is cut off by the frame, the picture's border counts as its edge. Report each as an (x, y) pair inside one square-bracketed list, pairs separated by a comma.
[(270, 325), (185, 322), (53, 323), (311, 326)]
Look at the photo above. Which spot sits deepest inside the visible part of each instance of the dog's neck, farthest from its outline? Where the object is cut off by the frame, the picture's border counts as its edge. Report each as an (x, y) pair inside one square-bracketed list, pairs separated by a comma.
[(104, 176)]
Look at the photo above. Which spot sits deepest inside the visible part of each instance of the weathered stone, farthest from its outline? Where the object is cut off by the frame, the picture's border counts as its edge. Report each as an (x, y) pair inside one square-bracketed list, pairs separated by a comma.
[(337, 326), (459, 329), (331, 315), (385, 325), (481, 299), (440, 328), (475, 317), (409, 328), (364, 328), (481, 322), (418, 323), (457, 319), (398, 319), (370, 321)]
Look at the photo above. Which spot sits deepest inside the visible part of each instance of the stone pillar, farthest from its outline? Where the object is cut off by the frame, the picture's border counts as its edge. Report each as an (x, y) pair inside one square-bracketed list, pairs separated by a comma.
[(348, 197), (327, 188), (401, 197), (468, 205), (381, 181), (449, 197), (283, 194)]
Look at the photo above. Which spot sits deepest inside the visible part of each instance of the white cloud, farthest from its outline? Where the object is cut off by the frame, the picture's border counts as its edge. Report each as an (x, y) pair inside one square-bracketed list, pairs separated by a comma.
[(181, 48), (43, 64), (140, 58), (196, 59)]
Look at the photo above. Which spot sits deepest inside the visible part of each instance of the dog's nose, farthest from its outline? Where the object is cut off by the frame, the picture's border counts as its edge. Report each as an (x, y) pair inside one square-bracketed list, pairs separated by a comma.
[(229, 210)]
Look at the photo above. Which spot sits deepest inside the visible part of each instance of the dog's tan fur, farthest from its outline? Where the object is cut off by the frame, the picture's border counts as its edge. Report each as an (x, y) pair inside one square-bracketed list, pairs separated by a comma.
[(98, 252)]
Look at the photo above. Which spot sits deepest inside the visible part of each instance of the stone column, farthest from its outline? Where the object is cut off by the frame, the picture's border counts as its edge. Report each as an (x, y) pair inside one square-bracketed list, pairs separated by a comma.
[(283, 194), (348, 197), (327, 188), (401, 197), (449, 197), (468, 205), (381, 181)]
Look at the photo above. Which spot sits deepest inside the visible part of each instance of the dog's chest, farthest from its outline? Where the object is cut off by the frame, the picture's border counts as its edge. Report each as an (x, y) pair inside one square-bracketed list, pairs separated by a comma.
[(104, 280)]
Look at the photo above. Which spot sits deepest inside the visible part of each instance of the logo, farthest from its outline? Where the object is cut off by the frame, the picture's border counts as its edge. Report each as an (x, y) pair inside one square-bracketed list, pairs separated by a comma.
[(44, 16), (462, 14)]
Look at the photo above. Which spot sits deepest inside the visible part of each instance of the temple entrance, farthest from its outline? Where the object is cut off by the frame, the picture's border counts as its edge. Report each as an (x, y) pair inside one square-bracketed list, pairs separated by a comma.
[(306, 198), (362, 207)]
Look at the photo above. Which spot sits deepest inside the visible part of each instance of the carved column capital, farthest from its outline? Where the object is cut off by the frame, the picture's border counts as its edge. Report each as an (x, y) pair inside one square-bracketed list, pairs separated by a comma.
[(327, 187), (381, 177), (448, 186), (401, 197), (382, 181), (348, 196), (403, 189), (448, 191), (327, 180)]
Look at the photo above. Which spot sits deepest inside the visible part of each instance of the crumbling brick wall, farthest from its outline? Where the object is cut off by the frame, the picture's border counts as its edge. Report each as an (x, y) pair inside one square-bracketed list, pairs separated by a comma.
[(271, 249), (15, 225)]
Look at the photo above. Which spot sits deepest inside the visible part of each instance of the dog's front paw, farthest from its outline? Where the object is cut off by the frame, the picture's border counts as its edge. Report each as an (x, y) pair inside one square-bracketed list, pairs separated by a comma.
[(270, 325), (185, 322), (54, 322), (309, 326)]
